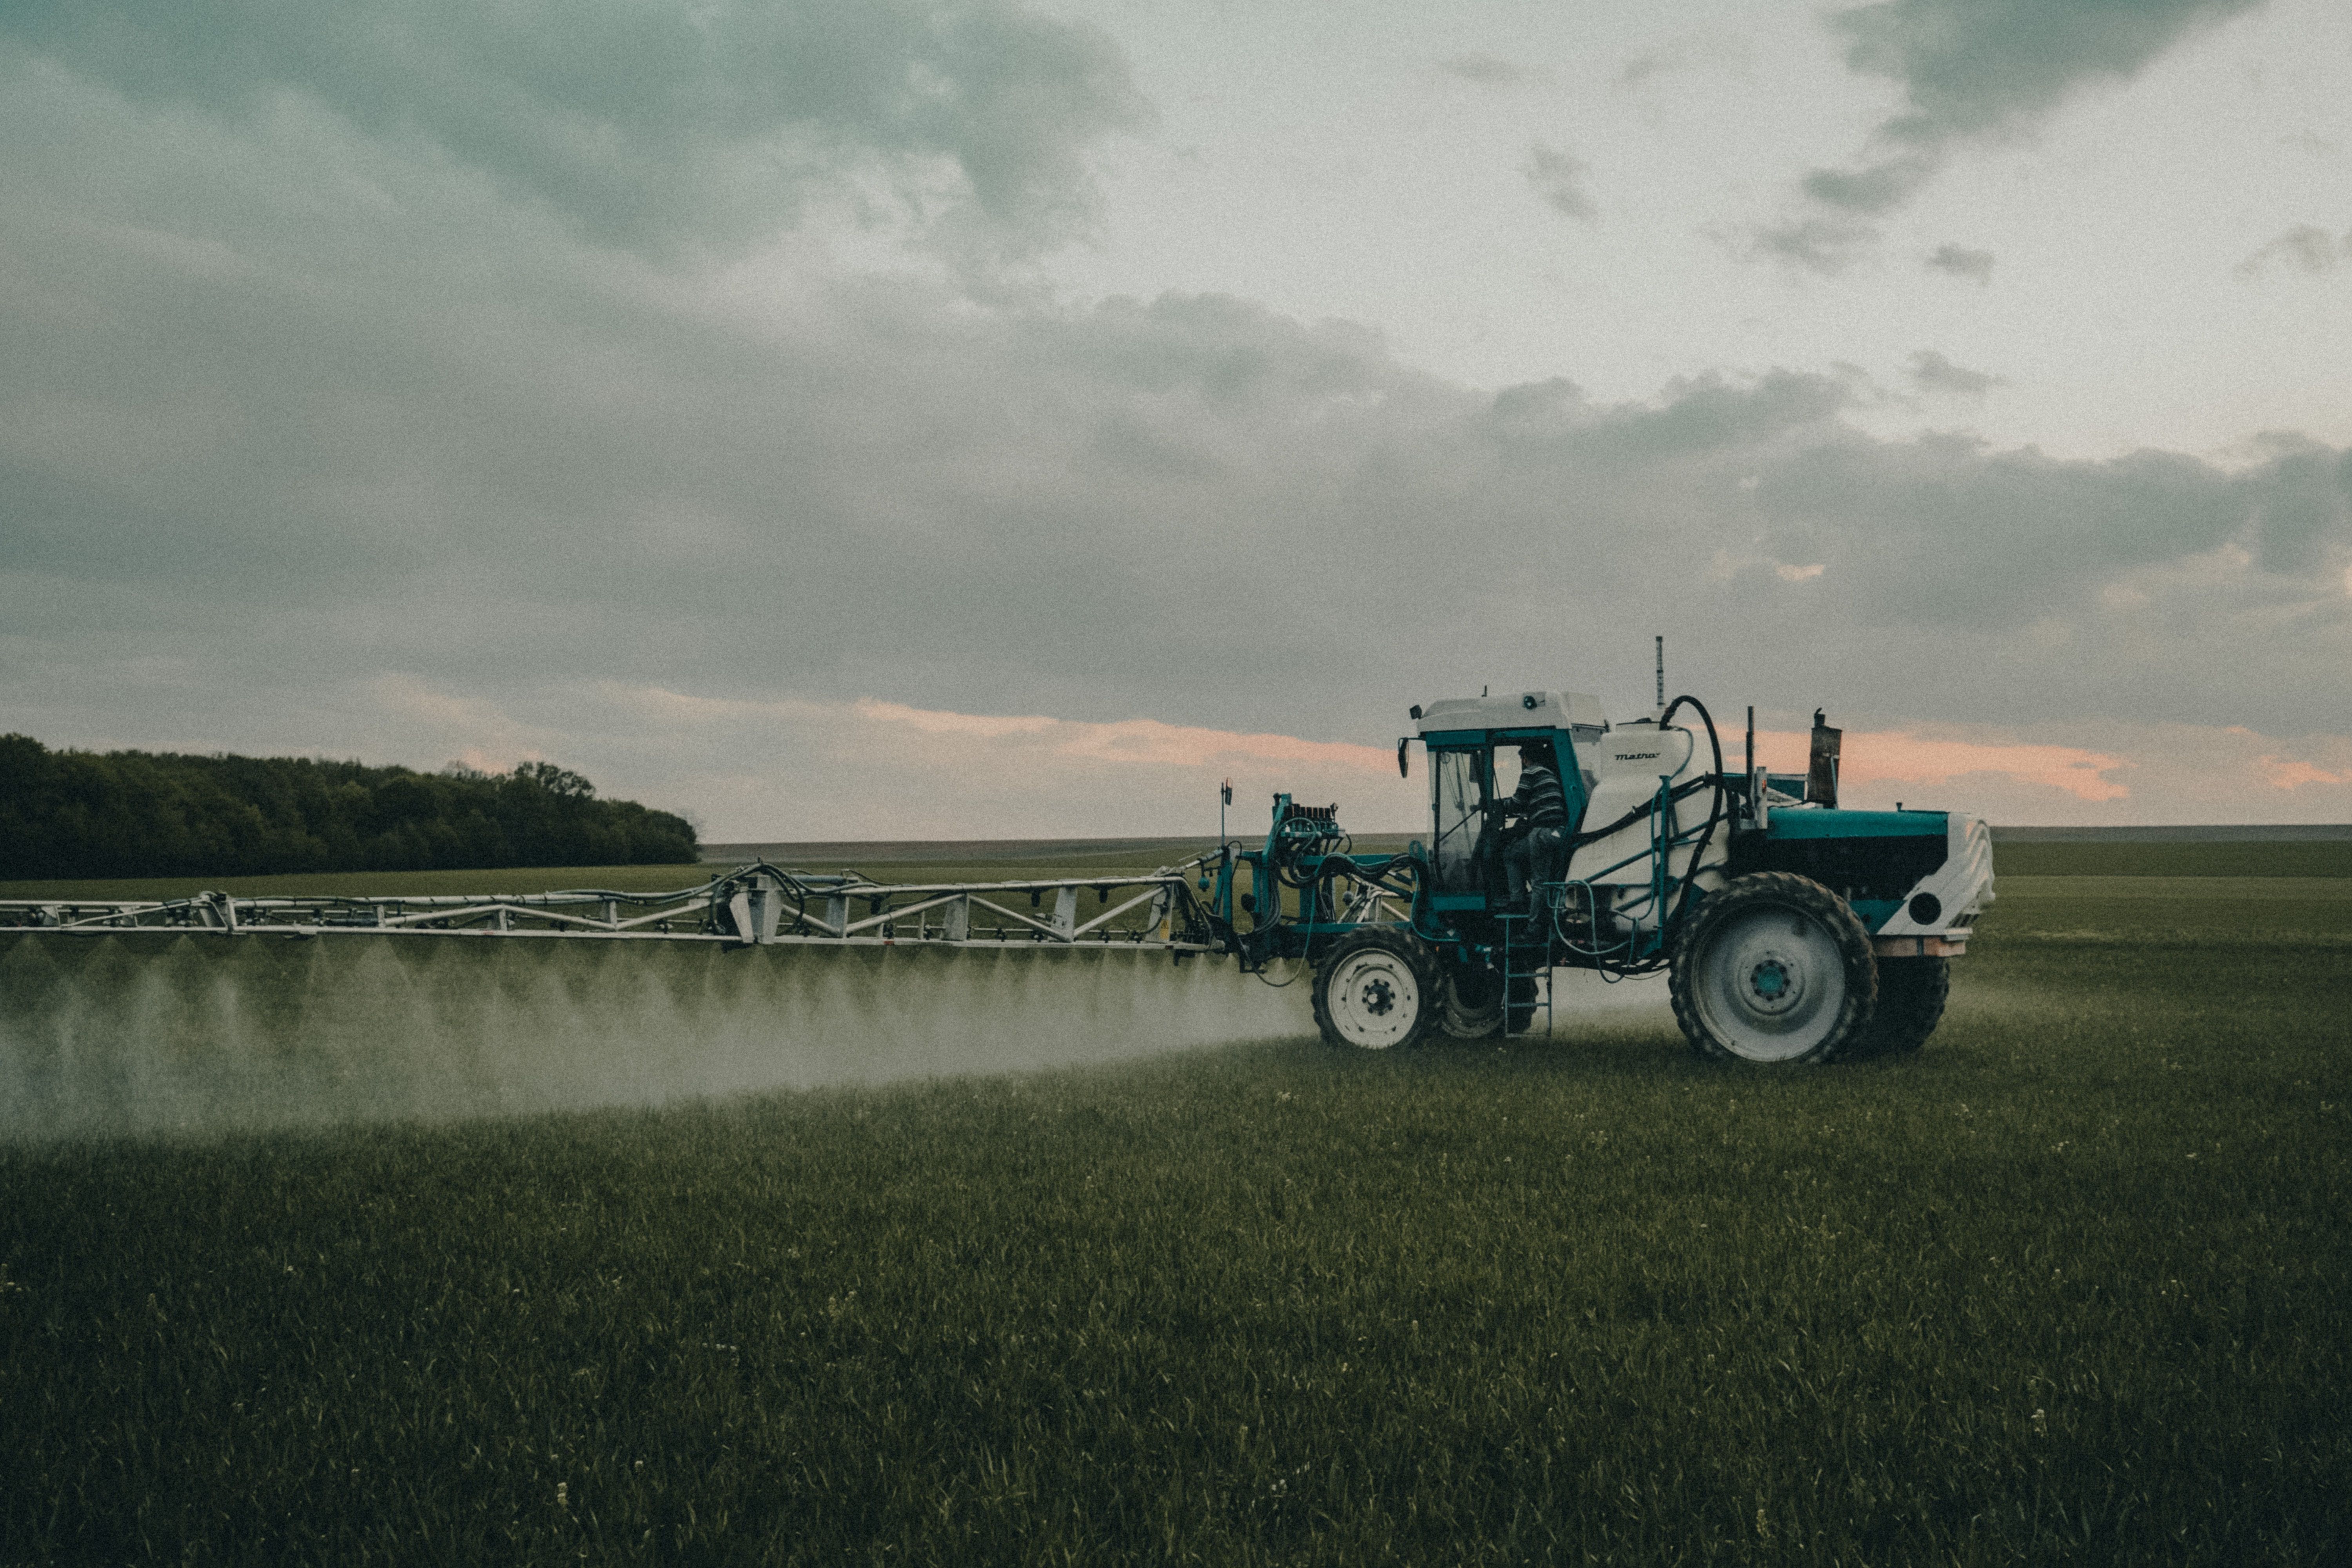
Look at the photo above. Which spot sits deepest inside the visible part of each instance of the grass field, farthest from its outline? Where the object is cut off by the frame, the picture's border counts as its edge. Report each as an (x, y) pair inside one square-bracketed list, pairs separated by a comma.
[(2317, 857), (2068, 1287)]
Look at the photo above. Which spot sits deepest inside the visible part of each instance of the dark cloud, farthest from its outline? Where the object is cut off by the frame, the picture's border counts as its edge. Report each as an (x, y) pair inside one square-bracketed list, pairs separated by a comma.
[(1961, 262), (2300, 512), (1559, 178), (1941, 532), (1970, 66), (1932, 372), (1973, 68), (2305, 248), (1487, 70), (1826, 246), (1879, 188), (1719, 51), (647, 123)]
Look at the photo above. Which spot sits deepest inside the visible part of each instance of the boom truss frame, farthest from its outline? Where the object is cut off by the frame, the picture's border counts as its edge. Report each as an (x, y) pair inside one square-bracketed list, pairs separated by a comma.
[(755, 905)]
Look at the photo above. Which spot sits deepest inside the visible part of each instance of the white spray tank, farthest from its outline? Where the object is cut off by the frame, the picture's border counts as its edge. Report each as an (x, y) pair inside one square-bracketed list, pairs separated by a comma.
[(1632, 763)]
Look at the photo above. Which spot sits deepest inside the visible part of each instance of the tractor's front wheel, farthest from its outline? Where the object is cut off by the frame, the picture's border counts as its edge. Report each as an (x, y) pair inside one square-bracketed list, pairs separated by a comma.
[(1911, 994), (1376, 989), (1774, 967)]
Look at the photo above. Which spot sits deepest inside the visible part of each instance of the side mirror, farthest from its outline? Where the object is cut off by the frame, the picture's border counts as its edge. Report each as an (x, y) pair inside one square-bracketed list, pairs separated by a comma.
[(1404, 768)]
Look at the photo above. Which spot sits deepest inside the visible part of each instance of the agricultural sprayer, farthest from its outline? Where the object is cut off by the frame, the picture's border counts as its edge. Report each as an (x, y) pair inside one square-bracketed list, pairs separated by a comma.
[(1791, 930)]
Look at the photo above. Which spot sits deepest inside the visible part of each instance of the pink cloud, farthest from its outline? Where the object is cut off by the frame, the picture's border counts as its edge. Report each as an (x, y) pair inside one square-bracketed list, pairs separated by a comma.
[(1891, 756), (784, 767), (1897, 756), (1135, 742), (2287, 772), (940, 721), (478, 732)]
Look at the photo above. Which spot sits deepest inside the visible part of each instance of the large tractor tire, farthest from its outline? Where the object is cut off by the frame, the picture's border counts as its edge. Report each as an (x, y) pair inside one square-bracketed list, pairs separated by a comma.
[(1774, 967), (1473, 1003), (1377, 990), (1911, 994), (1477, 1006)]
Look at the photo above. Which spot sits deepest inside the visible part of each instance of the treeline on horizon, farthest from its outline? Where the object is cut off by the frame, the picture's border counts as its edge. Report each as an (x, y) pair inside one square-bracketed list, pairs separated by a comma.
[(69, 815)]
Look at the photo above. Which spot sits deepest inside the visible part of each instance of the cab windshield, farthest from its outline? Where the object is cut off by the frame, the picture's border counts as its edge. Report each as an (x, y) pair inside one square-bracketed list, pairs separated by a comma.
[(1468, 783), (1461, 811)]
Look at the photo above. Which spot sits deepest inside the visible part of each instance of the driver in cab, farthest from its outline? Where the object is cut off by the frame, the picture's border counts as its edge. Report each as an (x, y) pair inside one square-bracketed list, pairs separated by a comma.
[(1539, 806)]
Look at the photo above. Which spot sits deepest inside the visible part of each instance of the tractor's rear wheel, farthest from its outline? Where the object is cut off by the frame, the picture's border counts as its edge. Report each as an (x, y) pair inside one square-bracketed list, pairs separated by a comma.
[(1376, 989), (1474, 1002), (1911, 994), (1773, 967)]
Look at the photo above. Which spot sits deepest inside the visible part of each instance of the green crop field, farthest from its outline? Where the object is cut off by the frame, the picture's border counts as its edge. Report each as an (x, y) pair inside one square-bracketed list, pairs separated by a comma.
[(2069, 1286), (2312, 857)]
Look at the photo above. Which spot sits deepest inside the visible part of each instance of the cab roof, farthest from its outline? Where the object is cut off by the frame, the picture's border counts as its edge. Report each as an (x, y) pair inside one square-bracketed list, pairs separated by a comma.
[(1515, 710)]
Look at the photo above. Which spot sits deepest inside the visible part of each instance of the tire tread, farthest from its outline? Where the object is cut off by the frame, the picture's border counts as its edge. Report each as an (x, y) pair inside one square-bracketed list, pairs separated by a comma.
[(1911, 997), (1790, 891)]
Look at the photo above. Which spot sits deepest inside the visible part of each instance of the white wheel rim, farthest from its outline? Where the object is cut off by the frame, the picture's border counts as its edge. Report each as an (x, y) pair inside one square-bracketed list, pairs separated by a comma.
[(1374, 1000), (1771, 984)]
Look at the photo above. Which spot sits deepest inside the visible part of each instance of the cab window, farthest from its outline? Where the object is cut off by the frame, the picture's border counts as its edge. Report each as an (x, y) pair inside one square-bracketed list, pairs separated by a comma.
[(1461, 811)]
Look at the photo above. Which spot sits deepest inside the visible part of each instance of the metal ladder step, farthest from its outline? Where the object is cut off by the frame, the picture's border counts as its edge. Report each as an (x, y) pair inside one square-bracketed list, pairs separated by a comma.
[(1540, 976)]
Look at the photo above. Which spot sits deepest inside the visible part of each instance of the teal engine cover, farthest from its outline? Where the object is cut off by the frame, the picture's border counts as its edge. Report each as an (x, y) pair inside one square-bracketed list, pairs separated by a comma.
[(1870, 859)]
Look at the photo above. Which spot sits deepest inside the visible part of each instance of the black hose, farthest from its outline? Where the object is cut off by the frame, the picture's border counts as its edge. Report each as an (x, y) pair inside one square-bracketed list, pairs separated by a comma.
[(1715, 813), (1649, 804), (1698, 856)]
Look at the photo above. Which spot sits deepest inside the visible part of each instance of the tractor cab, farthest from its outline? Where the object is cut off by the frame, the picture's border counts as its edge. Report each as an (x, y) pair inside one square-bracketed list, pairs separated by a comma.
[(1473, 746)]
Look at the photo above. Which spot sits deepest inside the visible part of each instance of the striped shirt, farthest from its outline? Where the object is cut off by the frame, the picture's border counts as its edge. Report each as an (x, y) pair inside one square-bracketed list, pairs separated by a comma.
[(1539, 800)]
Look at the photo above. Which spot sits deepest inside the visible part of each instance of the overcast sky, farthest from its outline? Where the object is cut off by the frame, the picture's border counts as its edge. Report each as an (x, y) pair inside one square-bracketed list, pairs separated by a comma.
[(899, 418)]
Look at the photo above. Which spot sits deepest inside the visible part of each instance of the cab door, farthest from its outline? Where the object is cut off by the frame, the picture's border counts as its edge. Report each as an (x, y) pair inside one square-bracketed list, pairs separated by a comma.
[(1461, 785)]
